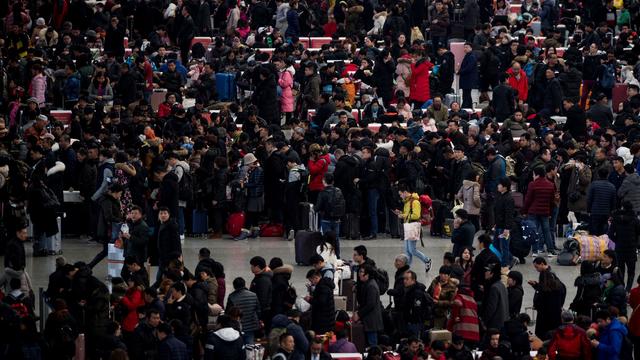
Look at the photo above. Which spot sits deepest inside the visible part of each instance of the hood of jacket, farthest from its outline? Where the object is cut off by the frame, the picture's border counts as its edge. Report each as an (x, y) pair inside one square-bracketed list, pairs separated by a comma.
[(467, 183), (280, 321), (413, 196), (284, 269), (228, 334)]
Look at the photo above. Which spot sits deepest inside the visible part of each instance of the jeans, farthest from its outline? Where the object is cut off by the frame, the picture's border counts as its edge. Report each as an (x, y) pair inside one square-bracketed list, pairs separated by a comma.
[(248, 337), (372, 338), (181, 220), (598, 224), (502, 244), (373, 197), (415, 330), (411, 251), (330, 225), (542, 227)]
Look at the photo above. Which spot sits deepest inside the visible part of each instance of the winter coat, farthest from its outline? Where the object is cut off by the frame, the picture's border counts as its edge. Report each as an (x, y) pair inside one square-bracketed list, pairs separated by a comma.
[(38, 88), (624, 230), (471, 14), (311, 91), (293, 24), (445, 299), (293, 328), (588, 293), (415, 305), (571, 81), (397, 290), (317, 169), (323, 307), (540, 197), (495, 306), (131, 301), (262, 286), (383, 75), (71, 90), (403, 77), (578, 185), (285, 81), (522, 85), (265, 97), (138, 242), (576, 123), (186, 31), (601, 198), (469, 72), (172, 349), (110, 213), (225, 343), (369, 306), (569, 342), (484, 258), (553, 96), (168, 194), (464, 318), (280, 288), (611, 338), (14, 257), (504, 211), (469, 194), (347, 169), (516, 293), (549, 307), (420, 81), (630, 190), (107, 92), (342, 346), (247, 302), (441, 27)]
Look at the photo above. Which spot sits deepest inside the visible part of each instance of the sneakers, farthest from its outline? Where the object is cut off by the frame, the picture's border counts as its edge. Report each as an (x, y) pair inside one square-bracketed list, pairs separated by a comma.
[(535, 254), (427, 265), (370, 237), (552, 253), (292, 235), (244, 234)]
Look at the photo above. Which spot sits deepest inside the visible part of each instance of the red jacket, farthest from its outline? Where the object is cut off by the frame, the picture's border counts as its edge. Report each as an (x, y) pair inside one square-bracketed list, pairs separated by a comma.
[(317, 169), (569, 342), (540, 197), (420, 81), (131, 301), (464, 318), (522, 85)]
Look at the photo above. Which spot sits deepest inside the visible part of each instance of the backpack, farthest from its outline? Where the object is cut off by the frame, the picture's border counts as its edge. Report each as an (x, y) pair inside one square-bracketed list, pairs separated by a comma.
[(20, 308), (185, 187), (382, 279), (338, 204), (478, 169), (608, 78), (304, 181)]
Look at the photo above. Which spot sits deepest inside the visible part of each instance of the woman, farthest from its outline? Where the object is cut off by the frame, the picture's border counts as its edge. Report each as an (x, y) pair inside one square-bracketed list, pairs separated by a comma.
[(164, 110), (464, 317), (285, 85), (252, 179), (443, 290), (466, 263), (123, 174), (548, 302), (130, 302), (589, 291), (403, 75), (100, 90), (327, 249), (420, 91), (410, 216), (365, 74), (38, 86), (60, 332), (469, 194)]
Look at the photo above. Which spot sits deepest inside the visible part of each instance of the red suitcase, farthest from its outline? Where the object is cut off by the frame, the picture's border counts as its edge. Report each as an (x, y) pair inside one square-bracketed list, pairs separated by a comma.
[(235, 223), (618, 96)]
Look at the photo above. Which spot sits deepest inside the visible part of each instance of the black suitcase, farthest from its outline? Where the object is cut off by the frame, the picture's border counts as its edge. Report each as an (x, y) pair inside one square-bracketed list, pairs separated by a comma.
[(305, 246), (352, 226), (358, 337), (440, 213), (395, 226)]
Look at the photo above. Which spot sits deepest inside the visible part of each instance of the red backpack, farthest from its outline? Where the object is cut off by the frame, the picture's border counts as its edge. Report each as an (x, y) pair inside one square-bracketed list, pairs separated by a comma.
[(20, 309)]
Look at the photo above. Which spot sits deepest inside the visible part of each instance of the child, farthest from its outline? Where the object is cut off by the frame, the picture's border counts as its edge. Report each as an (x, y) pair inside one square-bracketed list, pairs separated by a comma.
[(516, 293)]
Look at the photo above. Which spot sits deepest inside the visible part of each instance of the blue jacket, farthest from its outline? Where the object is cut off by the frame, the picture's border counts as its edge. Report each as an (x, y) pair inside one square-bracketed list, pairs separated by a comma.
[(469, 72), (71, 88), (293, 24), (172, 349), (611, 340), (601, 198)]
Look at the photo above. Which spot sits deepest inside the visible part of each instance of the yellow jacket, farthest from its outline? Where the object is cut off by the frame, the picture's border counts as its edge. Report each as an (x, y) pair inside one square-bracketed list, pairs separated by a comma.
[(412, 211)]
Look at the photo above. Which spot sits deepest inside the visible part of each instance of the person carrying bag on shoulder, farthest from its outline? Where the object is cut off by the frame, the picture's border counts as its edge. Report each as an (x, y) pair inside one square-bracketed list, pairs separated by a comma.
[(412, 227)]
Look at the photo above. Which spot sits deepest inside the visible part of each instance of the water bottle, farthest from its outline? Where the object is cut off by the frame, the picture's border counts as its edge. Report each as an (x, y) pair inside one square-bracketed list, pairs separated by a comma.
[(124, 228)]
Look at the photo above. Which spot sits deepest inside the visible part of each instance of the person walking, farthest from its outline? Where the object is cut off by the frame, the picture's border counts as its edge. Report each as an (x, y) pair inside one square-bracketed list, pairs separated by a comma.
[(601, 200), (410, 216), (504, 211)]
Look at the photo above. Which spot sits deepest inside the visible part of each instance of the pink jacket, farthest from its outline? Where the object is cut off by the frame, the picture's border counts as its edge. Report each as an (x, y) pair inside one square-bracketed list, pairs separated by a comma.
[(285, 81), (38, 88)]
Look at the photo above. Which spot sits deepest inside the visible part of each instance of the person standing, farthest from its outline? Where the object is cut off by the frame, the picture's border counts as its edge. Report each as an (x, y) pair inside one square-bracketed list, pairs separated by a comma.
[(169, 347), (331, 207), (369, 306), (109, 220), (538, 203), (14, 257), (624, 230), (504, 211), (168, 244), (495, 306), (415, 304), (601, 201), (410, 216), (612, 336), (548, 299), (248, 304), (262, 286), (186, 32), (569, 341), (322, 302)]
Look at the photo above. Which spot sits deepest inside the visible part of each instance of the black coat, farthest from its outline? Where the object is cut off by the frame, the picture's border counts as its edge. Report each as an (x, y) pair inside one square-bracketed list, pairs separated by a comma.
[(138, 242), (484, 258), (262, 286), (126, 88), (265, 97), (280, 287), (42, 217), (323, 307), (625, 232), (383, 73), (114, 41), (168, 242), (397, 290), (503, 101), (504, 211), (576, 123), (186, 31), (225, 344), (347, 169), (14, 256), (169, 194)]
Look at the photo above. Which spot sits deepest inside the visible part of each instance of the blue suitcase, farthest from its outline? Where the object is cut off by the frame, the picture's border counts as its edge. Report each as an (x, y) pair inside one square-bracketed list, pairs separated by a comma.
[(200, 222), (226, 86)]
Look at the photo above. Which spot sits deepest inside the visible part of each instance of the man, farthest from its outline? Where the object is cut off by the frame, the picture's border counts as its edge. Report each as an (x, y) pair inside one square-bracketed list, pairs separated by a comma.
[(185, 188), (439, 25), (496, 349), (415, 304), (504, 99), (145, 344), (132, 268), (612, 336), (548, 317), (169, 347), (438, 111), (186, 32), (169, 191), (369, 306), (460, 170), (484, 258), (14, 256), (326, 269), (630, 188), (601, 201), (137, 239), (262, 286), (601, 111), (463, 232), (447, 69), (617, 175), (168, 241), (322, 302), (67, 155), (538, 203), (373, 179), (180, 306), (249, 305), (106, 171), (576, 124), (109, 220), (275, 176), (495, 305), (317, 351), (224, 343), (504, 211), (287, 345), (519, 82), (360, 259), (331, 207), (569, 341)]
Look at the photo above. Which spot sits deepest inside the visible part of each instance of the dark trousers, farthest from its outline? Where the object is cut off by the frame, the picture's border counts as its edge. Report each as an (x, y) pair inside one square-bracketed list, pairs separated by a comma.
[(625, 261), (101, 255), (467, 101), (184, 52), (598, 224)]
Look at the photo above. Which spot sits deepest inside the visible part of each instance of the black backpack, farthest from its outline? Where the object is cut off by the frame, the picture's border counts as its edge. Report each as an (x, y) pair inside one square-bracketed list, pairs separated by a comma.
[(338, 204), (185, 187), (382, 279)]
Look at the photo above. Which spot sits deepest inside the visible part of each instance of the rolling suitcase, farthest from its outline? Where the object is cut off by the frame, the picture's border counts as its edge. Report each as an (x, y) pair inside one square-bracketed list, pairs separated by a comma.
[(200, 222), (305, 246), (235, 223), (395, 226), (53, 244), (451, 98), (346, 290), (352, 226), (618, 96), (358, 337), (226, 86), (308, 217)]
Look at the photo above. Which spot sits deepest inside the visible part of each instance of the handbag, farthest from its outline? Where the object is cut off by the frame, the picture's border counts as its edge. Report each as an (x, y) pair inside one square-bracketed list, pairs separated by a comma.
[(412, 230), (457, 206)]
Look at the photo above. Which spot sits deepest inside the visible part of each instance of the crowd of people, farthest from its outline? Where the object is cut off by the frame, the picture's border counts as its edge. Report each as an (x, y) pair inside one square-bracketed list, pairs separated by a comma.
[(166, 135)]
